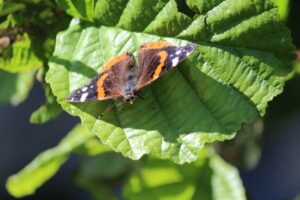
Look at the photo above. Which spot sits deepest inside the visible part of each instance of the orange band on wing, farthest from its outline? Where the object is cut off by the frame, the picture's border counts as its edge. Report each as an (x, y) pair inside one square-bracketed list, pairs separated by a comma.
[(100, 86), (156, 45), (163, 56), (113, 61)]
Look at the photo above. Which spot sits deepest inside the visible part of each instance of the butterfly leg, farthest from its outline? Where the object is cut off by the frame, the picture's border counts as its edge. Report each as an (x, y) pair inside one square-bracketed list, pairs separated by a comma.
[(108, 108), (140, 96)]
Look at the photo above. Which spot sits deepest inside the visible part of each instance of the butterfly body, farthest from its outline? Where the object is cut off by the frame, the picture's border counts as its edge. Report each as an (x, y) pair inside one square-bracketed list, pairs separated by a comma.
[(130, 91), (119, 77)]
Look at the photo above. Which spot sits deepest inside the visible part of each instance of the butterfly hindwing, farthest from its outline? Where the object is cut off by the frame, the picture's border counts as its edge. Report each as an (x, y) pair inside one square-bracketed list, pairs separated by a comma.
[(108, 83), (156, 58)]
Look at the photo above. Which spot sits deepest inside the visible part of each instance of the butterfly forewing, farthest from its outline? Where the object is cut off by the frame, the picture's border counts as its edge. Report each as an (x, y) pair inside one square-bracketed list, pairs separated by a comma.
[(108, 84), (156, 58)]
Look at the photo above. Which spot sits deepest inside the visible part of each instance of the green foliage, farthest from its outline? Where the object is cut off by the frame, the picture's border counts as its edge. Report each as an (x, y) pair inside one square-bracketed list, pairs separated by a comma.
[(78, 8), (30, 35), (229, 80), (243, 59), (14, 88), (283, 8), (8, 7), (208, 178), (297, 66), (46, 164), (19, 57), (27, 39), (92, 147)]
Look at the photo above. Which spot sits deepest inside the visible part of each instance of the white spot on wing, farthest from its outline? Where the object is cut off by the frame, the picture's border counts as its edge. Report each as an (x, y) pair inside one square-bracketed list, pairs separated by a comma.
[(178, 52), (84, 89), (83, 97), (175, 61)]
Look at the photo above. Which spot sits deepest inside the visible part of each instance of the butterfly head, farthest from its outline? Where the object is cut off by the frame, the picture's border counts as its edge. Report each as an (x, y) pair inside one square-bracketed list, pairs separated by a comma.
[(129, 97), (129, 93)]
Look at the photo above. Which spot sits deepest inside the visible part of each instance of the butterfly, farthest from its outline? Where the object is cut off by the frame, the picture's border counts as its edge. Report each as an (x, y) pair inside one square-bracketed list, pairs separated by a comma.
[(119, 77)]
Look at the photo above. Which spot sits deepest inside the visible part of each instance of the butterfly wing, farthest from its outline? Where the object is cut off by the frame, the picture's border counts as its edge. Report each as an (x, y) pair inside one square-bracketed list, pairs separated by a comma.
[(156, 58), (108, 83)]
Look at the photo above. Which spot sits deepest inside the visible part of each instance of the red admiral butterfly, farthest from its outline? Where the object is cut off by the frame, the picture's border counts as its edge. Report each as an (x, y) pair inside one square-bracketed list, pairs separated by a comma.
[(119, 78)]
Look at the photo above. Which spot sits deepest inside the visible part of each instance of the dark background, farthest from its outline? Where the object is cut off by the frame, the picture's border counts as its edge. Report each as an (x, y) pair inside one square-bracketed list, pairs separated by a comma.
[(277, 175)]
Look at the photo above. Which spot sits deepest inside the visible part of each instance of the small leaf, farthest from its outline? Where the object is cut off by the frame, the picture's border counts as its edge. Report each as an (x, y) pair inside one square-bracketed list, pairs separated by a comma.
[(50, 110), (297, 66), (19, 57), (78, 8), (227, 81), (209, 178), (226, 183), (46, 164), (14, 88)]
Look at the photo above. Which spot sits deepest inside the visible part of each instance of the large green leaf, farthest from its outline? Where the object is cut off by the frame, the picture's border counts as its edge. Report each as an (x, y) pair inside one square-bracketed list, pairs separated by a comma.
[(210, 179), (46, 164), (242, 62), (14, 88)]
